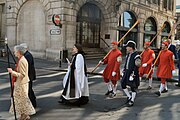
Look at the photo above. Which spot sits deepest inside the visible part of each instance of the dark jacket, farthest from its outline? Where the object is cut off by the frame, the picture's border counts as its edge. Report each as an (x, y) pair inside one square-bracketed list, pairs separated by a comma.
[(178, 54), (172, 48), (131, 68), (31, 68)]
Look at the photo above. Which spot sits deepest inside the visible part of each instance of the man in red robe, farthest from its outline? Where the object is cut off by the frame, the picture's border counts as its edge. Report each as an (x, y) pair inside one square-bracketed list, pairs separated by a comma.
[(147, 58), (111, 73), (166, 66)]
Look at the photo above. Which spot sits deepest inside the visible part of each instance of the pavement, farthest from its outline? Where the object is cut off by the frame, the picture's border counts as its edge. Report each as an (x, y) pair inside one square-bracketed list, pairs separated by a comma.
[(48, 88)]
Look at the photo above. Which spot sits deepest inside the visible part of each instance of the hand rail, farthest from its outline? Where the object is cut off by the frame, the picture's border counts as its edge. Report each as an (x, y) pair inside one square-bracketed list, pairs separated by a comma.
[(104, 42)]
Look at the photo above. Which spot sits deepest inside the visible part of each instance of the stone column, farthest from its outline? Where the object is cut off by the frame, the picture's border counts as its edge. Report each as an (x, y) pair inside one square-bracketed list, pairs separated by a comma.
[(158, 42), (11, 23), (69, 27), (55, 34), (161, 5), (140, 36)]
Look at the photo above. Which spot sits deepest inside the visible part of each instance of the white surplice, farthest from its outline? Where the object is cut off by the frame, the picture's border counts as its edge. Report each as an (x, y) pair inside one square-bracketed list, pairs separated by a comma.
[(81, 82)]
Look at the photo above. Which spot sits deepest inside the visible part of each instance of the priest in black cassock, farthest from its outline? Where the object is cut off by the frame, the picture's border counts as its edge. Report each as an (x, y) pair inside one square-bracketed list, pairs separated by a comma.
[(75, 83)]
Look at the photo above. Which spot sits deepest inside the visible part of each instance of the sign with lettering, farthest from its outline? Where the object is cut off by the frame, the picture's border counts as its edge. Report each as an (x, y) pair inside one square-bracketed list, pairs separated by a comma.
[(55, 31)]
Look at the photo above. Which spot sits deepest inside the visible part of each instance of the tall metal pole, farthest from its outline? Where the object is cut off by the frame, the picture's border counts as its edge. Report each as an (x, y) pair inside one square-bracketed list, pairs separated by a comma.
[(10, 79)]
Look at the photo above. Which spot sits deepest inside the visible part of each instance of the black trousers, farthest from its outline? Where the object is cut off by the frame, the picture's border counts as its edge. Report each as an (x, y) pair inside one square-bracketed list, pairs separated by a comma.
[(31, 94), (125, 81)]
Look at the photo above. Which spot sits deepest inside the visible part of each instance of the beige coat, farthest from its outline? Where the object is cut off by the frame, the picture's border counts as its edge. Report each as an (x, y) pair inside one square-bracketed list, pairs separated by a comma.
[(22, 71), (21, 86)]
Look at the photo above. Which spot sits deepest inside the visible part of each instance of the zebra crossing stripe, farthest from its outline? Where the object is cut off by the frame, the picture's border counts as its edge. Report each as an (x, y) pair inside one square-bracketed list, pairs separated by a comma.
[(5, 73)]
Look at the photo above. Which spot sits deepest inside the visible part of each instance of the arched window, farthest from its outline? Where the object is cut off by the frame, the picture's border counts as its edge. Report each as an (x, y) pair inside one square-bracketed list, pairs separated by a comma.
[(150, 25), (88, 25), (150, 29), (126, 21), (166, 30)]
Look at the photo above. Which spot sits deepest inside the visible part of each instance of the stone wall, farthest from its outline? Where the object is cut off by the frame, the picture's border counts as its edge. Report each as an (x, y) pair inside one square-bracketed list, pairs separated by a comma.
[(31, 21)]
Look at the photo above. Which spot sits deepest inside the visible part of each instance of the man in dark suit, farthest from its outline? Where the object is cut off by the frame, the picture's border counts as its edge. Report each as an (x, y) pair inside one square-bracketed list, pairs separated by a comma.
[(178, 62), (31, 73), (172, 48)]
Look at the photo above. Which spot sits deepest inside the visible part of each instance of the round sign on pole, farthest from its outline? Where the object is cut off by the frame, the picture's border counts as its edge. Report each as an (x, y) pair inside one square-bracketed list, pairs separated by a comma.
[(57, 20)]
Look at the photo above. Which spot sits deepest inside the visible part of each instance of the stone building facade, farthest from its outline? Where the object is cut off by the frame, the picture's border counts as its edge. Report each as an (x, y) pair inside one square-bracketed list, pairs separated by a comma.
[(178, 22), (88, 22)]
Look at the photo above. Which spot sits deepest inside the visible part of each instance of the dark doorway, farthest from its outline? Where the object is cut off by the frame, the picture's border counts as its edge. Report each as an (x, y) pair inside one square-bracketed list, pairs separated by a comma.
[(88, 26)]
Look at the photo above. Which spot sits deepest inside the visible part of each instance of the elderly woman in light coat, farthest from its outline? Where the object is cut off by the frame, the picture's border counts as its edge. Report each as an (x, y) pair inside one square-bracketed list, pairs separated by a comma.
[(23, 105)]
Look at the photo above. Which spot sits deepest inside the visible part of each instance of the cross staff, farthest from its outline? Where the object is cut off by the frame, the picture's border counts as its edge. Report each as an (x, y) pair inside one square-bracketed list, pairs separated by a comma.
[(153, 64), (10, 80), (118, 43)]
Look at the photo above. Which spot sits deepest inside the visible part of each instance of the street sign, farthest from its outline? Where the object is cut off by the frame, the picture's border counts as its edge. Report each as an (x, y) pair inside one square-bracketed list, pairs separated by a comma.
[(57, 20), (55, 31)]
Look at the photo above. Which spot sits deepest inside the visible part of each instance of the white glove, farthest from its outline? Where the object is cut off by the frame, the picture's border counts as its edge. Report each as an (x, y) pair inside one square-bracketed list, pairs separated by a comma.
[(144, 65), (100, 62), (122, 74), (113, 74), (131, 78), (173, 72)]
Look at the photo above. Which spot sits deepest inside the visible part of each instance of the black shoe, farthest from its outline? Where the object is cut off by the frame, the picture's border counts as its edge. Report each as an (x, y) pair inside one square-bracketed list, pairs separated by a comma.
[(108, 92), (61, 101), (130, 103), (112, 95), (149, 88), (164, 91), (158, 93), (128, 100), (177, 84)]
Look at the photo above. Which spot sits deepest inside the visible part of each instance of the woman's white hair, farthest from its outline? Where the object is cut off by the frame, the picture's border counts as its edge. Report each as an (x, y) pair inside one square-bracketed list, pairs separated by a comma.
[(20, 48), (24, 45)]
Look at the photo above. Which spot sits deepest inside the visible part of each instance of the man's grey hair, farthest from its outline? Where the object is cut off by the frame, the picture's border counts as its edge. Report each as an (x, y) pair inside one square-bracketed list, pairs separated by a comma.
[(24, 45), (20, 48)]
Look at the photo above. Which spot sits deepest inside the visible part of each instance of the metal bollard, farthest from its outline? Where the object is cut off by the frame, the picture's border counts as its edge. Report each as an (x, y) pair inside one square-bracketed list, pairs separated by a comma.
[(60, 58), (1, 53)]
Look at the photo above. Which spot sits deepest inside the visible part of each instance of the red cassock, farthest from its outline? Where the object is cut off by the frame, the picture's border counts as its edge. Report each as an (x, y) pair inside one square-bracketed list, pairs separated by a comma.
[(146, 57), (113, 65), (165, 64)]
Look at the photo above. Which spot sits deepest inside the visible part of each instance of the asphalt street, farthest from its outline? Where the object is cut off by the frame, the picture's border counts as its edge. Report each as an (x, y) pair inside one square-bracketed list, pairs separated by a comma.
[(48, 87)]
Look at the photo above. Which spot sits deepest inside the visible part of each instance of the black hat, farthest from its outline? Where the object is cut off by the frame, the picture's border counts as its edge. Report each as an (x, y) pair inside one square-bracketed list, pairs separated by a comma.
[(130, 43)]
